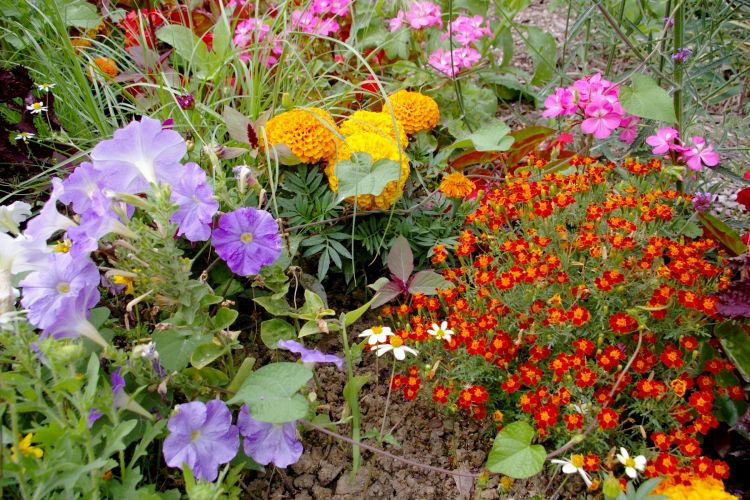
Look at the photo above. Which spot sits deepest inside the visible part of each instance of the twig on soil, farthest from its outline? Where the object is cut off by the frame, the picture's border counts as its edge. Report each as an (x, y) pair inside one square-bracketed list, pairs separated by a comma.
[(373, 449), (579, 437)]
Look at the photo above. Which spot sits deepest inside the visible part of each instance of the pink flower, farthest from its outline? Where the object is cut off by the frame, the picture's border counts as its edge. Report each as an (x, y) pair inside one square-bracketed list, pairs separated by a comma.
[(396, 23), (247, 31), (601, 118), (592, 86), (335, 7), (700, 154), (562, 102), (327, 27), (468, 29), (629, 129), (451, 64), (305, 21), (663, 141), (424, 14)]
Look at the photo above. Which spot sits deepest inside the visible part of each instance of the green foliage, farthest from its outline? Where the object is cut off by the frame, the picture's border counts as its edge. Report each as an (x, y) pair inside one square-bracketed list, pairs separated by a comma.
[(360, 176), (513, 454), (644, 98), (271, 392)]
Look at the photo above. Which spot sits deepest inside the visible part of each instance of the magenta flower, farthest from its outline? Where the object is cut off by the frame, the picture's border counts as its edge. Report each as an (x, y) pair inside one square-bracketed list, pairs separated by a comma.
[(334, 7), (266, 442), (310, 355), (201, 437), (247, 239), (46, 291), (396, 23), (252, 30), (629, 126), (700, 154), (562, 102), (452, 63), (305, 20), (139, 154), (600, 118), (424, 14), (467, 29), (196, 204), (664, 140)]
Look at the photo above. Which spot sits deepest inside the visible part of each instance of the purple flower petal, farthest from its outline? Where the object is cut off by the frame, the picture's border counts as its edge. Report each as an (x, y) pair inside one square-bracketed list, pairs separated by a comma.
[(196, 204), (247, 239), (310, 355), (267, 443)]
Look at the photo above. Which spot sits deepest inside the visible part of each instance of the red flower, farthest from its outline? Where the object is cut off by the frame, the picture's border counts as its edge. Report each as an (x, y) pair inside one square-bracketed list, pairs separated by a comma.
[(666, 464), (701, 401), (622, 323), (135, 22), (585, 378), (573, 421), (608, 419), (743, 198), (440, 394)]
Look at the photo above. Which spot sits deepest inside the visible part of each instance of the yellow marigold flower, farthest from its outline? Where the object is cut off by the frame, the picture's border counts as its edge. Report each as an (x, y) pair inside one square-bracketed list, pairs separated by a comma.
[(415, 111), (457, 185), (379, 123), (378, 147), (26, 449), (306, 131), (107, 66), (699, 489)]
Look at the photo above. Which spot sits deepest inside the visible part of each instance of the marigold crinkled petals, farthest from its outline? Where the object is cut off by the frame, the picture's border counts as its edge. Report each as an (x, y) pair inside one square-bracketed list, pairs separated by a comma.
[(308, 132), (415, 111)]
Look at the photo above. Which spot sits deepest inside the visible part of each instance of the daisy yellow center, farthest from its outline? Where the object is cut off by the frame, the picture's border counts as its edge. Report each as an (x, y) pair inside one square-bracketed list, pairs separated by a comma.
[(246, 238), (630, 462), (440, 333), (377, 330), (37, 106), (396, 341), (63, 287), (195, 435), (577, 461)]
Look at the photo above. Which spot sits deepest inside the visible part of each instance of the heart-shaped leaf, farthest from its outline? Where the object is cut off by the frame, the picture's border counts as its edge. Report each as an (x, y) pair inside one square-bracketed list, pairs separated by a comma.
[(646, 99), (401, 259), (513, 454), (271, 392)]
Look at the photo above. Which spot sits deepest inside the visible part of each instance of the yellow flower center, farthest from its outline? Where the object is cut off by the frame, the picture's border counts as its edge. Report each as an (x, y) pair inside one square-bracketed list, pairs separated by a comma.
[(396, 341), (440, 333), (63, 287), (37, 106), (62, 246), (630, 462), (195, 435), (577, 461), (246, 238), (377, 330)]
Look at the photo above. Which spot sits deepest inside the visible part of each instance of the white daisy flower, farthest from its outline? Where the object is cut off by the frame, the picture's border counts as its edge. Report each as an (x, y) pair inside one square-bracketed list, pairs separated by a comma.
[(633, 465), (24, 136), (377, 334), (36, 108), (395, 344), (45, 87), (575, 464), (441, 332)]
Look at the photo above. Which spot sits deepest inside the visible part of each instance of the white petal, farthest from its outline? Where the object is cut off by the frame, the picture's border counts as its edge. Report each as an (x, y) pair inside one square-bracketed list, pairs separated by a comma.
[(444, 325), (624, 453), (631, 472), (640, 462), (585, 476), (399, 353), (410, 350), (569, 468), (621, 459), (366, 333), (382, 349)]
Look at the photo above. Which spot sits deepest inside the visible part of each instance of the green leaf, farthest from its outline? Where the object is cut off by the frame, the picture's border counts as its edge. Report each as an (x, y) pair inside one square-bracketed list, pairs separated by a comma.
[(490, 137), (359, 175), (401, 259), (352, 388), (92, 376), (273, 330), (175, 348), (271, 392), (428, 283), (644, 98), (352, 316), (543, 52), (205, 354), (276, 307), (224, 318), (246, 368), (736, 344), (309, 328), (725, 234), (81, 14), (116, 436), (513, 454), (188, 46)]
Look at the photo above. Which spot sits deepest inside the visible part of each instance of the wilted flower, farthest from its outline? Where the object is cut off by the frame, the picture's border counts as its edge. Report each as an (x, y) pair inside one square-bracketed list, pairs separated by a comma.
[(266, 442), (247, 239), (633, 465), (185, 101), (201, 436), (310, 355), (376, 334), (196, 204), (682, 54)]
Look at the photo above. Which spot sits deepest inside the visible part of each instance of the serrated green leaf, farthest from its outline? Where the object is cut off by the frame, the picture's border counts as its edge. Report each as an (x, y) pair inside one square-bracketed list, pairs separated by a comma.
[(644, 98), (513, 454), (271, 392)]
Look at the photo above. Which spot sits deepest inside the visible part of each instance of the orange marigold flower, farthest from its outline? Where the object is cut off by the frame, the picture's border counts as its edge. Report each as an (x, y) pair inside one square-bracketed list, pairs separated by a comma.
[(679, 386), (106, 66), (622, 323), (307, 132), (457, 185), (415, 111), (608, 419)]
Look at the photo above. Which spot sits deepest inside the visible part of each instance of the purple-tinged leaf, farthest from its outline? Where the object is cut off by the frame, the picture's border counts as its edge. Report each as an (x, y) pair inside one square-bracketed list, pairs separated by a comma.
[(428, 283), (401, 259), (387, 292), (238, 125), (734, 300)]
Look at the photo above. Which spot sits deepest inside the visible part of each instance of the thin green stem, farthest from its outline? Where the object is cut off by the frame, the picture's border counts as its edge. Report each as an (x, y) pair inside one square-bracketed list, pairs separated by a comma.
[(679, 40), (388, 397), (353, 401)]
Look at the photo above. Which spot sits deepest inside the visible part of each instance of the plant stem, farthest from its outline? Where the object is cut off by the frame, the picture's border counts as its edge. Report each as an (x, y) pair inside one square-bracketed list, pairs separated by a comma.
[(388, 397), (679, 36), (353, 402)]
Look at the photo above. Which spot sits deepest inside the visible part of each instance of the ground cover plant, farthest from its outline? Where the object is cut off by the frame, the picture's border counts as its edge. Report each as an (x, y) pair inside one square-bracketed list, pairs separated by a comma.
[(236, 236)]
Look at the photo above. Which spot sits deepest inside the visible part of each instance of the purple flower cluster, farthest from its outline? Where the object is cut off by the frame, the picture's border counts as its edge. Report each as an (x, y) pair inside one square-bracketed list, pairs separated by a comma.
[(682, 54), (202, 437), (595, 101), (695, 153)]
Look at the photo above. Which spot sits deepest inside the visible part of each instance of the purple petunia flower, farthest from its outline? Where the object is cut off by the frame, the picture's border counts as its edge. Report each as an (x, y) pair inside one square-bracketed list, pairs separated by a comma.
[(80, 186), (118, 383), (139, 154), (71, 321), (93, 416), (201, 436), (310, 355), (267, 443), (197, 206), (99, 220), (247, 239), (48, 221), (45, 291)]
